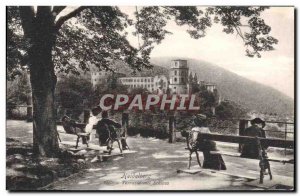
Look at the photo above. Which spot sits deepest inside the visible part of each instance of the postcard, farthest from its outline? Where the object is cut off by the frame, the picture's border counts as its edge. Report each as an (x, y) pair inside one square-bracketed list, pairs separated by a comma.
[(150, 98)]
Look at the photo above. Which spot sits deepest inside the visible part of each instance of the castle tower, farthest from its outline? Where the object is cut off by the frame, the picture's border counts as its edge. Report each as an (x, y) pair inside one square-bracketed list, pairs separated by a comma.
[(179, 77)]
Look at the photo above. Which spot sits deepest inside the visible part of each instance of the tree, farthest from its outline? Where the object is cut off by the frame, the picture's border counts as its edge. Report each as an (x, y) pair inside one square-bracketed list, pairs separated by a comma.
[(207, 101), (74, 93), (110, 85), (195, 79), (18, 90), (48, 39), (18, 93), (191, 79), (229, 109)]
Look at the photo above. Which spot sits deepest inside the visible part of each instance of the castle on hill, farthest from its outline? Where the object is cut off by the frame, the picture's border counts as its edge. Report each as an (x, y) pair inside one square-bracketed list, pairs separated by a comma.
[(177, 81)]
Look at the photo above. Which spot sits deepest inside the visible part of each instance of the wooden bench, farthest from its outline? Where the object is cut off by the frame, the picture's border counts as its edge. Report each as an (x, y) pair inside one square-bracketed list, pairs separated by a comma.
[(261, 143), (72, 127), (236, 154)]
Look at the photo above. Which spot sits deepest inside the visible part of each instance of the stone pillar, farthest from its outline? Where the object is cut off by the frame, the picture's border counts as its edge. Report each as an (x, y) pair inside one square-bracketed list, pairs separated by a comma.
[(172, 129)]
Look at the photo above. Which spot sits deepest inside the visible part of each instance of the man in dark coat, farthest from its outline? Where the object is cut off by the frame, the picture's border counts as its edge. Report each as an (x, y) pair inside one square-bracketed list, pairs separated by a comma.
[(250, 149), (106, 128)]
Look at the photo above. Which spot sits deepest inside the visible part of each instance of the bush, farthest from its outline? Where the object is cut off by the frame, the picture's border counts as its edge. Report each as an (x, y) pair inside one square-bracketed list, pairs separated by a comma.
[(148, 126), (273, 131)]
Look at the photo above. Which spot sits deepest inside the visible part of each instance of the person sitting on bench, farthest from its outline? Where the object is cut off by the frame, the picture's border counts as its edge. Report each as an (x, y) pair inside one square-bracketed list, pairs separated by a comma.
[(93, 120), (250, 149), (211, 161), (70, 126), (106, 129)]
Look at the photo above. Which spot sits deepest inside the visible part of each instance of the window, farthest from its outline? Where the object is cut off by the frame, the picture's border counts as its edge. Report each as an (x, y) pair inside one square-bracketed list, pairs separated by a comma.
[(175, 79), (175, 72)]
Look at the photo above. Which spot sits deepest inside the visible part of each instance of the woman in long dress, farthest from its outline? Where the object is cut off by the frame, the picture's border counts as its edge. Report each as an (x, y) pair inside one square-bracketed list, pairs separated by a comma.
[(211, 161), (93, 120)]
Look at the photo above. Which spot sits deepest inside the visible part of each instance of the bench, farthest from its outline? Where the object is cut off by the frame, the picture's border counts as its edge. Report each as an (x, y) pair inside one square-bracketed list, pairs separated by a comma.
[(236, 154), (261, 143), (71, 127)]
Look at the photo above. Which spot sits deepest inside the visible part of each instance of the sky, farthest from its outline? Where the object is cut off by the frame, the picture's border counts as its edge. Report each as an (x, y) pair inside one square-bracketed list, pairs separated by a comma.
[(275, 68)]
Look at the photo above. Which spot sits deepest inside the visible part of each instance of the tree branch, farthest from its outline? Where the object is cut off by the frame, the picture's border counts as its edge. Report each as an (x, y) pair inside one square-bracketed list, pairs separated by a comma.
[(239, 32), (27, 18), (57, 9), (63, 19)]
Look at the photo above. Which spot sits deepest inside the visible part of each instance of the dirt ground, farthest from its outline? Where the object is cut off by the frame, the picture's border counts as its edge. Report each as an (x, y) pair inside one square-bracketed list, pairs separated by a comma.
[(153, 166)]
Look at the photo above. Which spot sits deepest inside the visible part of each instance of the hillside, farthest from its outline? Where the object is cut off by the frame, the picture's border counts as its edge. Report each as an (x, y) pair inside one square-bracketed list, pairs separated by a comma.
[(250, 94)]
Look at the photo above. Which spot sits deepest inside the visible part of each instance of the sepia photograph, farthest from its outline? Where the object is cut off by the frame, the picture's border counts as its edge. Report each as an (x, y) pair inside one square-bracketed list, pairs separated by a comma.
[(150, 98)]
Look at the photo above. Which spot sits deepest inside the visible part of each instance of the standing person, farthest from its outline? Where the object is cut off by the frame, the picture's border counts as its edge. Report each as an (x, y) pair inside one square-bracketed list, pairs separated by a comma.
[(92, 121), (250, 149), (211, 161)]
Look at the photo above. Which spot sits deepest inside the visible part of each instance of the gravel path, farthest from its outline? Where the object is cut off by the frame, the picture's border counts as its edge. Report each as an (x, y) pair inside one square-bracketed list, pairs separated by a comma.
[(153, 166)]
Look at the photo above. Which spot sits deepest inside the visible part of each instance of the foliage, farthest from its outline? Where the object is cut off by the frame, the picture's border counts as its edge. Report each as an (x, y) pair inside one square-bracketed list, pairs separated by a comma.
[(15, 44), (97, 35), (193, 82), (73, 91), (229, 109), (111, 86), (18, 90), (207, 101), (149, 124)]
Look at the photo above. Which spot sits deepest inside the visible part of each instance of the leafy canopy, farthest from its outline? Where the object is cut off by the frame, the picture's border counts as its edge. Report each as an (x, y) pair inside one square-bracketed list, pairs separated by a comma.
[(97, 35)]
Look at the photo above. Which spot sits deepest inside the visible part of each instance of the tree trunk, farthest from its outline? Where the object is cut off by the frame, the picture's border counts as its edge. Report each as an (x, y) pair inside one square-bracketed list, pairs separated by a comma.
[(43, 82), (29, 108)]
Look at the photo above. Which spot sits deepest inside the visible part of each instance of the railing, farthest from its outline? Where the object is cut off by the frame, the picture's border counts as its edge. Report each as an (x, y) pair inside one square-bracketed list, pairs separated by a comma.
[(170, 121)]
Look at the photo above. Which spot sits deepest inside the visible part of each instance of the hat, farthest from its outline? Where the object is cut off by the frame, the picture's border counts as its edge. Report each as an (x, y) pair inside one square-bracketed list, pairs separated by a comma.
[(199, 120), (201, 116), (258, 121), (96, 110)]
